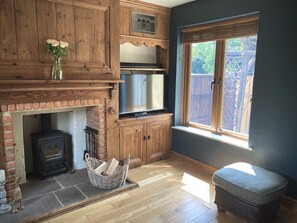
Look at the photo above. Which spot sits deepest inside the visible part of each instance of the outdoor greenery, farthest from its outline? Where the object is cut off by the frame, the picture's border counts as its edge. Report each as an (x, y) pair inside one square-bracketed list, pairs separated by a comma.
[(203, 54)]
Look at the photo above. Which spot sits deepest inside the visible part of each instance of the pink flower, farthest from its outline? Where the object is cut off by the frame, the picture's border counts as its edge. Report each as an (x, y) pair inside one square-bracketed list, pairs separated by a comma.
[(56, 48), (53, 42)]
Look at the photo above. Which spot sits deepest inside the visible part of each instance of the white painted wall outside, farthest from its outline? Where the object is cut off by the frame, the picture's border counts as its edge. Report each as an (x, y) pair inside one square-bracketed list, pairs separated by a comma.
[(19, 146)]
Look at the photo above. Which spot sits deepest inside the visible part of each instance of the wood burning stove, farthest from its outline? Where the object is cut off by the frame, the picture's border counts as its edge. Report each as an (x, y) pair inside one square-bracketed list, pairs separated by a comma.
[(48, 149)]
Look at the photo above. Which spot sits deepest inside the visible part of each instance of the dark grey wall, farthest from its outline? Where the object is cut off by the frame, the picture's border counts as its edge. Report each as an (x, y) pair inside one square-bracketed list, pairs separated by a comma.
[(274, 110)]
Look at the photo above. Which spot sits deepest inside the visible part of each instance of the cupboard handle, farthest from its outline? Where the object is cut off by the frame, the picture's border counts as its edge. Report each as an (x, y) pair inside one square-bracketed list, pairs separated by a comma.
[(149, 137), (144, 137)]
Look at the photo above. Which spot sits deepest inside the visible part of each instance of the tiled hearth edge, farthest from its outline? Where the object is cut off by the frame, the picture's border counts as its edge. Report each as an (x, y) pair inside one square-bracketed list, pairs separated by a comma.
[(96, 118)]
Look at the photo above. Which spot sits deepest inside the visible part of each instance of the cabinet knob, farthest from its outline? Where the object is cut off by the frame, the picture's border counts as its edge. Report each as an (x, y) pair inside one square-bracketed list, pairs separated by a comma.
[(144, 137), (149, 137)]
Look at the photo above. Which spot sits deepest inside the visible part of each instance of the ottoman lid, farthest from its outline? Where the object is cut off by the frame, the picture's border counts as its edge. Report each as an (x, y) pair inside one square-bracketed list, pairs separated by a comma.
[(251, 183)]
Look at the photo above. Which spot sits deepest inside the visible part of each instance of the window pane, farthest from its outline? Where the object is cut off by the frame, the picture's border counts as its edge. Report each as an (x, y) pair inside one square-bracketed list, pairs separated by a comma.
[(202, 74), (238, 83)]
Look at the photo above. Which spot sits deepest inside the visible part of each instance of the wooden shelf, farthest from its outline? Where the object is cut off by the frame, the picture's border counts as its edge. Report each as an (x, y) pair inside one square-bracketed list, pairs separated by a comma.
[(56, 85), (52, 88), (139, 41), (123, 121), (142, 69), (10, 88), (19, 82)]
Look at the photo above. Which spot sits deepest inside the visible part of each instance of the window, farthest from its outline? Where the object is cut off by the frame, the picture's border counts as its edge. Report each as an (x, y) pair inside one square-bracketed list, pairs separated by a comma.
[(219, 63)]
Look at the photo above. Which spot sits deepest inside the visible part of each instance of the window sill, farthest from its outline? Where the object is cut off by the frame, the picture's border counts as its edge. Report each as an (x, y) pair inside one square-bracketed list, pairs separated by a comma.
[(224, 139)]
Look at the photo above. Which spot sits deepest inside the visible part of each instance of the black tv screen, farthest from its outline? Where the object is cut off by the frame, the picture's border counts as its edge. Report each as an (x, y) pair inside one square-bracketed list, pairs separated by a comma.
[(141, 93)]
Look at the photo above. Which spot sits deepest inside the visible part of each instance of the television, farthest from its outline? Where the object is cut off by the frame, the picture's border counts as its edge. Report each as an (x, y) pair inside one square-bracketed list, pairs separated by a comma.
[(141, 93)]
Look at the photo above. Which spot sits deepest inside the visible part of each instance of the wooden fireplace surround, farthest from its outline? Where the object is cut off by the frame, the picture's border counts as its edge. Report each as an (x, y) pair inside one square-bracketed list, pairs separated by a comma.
[(41, 95), (91, 68)]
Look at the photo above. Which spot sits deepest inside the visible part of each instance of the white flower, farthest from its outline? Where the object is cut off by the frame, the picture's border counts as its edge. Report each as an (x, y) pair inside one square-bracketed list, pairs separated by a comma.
[(49, 41), (63, 44)]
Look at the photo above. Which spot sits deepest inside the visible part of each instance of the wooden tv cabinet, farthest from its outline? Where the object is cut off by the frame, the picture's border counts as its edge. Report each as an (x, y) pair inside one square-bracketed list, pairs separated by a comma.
[(147, 139)]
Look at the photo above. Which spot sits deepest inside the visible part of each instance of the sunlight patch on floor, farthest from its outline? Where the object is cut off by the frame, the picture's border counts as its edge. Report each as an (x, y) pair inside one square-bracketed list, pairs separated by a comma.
[(156, 166), (196, 187), (154, 179)]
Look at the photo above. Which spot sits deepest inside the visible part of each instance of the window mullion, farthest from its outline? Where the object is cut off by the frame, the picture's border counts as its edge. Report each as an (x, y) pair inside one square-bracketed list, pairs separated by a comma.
[(222, 44), (218, 88), (186, 83)]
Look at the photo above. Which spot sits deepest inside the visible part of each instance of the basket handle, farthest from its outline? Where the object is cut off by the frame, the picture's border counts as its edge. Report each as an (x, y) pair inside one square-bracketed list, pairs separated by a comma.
[(87, 156), (129, 158)]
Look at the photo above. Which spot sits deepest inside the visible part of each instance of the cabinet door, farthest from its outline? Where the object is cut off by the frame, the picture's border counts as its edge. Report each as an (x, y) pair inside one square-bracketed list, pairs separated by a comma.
[(158, 140), (132, 141)]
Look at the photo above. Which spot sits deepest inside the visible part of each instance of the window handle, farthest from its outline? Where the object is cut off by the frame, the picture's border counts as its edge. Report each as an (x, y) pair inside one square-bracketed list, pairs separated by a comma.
[(212, 83)]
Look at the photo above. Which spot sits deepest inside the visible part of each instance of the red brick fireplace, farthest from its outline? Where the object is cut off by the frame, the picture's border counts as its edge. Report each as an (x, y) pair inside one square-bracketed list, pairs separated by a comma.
[(98, 98)]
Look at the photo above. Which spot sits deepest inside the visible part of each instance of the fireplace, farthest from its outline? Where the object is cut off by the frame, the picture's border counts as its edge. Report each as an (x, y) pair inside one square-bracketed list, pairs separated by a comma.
[(34, 97), (14, 159)]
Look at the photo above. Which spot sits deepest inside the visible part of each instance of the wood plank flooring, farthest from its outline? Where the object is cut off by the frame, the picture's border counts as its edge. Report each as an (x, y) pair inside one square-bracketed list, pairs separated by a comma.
[(170, 191)]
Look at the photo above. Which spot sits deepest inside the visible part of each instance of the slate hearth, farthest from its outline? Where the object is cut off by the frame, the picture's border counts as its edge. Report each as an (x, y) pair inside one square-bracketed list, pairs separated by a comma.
[(54, 193)]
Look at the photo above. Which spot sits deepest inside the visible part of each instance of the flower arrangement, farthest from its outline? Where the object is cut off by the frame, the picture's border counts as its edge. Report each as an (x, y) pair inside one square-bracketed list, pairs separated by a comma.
[(56, 48)]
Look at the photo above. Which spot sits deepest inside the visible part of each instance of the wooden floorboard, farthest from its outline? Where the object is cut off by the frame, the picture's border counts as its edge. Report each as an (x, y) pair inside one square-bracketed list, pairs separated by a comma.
[(170, 190)]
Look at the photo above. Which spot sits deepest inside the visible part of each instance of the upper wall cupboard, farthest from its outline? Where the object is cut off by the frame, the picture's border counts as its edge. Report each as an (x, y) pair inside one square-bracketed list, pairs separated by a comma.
[(159, 39), (90, 27), (161, 15)]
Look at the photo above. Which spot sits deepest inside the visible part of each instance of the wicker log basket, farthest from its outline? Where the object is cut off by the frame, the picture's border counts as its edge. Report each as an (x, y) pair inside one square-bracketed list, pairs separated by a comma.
[(105, 181)]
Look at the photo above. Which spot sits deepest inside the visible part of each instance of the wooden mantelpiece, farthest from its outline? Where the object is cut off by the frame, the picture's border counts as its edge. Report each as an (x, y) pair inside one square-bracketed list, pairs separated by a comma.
[(58, 85), (22, 91)]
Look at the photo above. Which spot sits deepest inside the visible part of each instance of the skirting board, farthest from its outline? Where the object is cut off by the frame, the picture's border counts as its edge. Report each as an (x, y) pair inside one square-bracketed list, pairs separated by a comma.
[(206, 168), (289, 203), (285, 201)]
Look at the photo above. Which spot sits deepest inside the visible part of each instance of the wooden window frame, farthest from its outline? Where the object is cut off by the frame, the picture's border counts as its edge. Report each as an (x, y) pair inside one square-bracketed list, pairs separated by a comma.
[(251, 22)]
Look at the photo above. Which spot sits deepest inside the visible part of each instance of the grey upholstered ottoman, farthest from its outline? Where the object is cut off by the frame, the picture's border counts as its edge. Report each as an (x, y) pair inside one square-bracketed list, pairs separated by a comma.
[(248, 191)]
